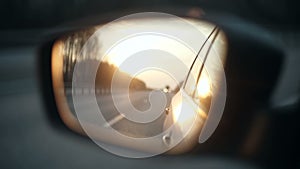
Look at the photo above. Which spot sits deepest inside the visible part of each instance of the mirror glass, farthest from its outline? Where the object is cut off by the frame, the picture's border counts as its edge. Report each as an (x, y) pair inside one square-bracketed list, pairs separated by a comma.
[(134, 76)]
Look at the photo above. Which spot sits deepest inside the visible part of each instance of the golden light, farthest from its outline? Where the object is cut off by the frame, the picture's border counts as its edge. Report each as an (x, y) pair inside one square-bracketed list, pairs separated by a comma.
[(203, 87), (183, 110), (176, 113), (128, 47), (161, 46), (177, 106)]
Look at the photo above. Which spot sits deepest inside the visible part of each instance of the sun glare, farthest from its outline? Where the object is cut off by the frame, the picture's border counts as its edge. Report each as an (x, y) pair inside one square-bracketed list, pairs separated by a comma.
[(130, 52), (128, 47), (150, 49), (203, 87)]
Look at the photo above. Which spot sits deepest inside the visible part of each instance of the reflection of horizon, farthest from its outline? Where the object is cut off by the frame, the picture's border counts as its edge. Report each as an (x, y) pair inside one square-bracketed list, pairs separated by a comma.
[(105, 73)]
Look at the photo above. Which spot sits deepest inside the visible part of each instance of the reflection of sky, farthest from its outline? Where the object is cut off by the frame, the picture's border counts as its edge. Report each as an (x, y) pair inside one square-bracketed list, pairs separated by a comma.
[(135, 45)]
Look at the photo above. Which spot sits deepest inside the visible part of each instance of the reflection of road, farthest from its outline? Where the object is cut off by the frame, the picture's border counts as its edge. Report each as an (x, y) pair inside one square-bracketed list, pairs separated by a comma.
[(140, 101)]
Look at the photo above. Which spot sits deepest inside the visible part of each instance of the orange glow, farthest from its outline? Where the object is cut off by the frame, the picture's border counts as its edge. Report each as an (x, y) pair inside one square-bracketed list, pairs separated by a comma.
[(203, 87)]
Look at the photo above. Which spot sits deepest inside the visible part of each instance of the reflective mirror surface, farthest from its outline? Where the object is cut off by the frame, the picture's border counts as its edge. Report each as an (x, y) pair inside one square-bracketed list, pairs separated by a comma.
[(135, 78)]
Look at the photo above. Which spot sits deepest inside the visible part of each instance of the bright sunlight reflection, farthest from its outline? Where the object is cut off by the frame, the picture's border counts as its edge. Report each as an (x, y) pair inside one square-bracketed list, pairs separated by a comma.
[(129, 46), (165, 48), (203, 87)]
